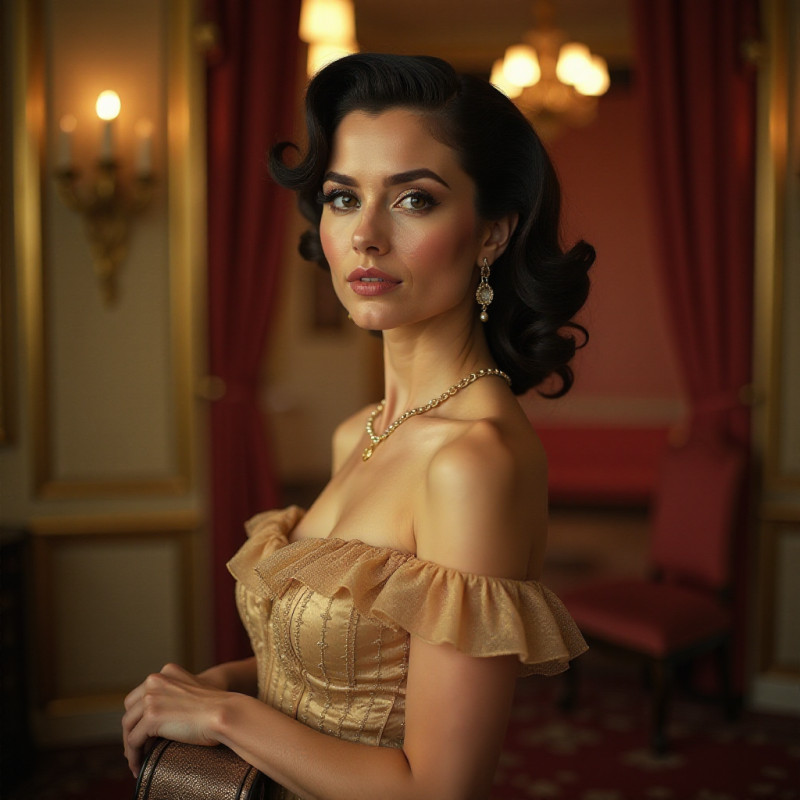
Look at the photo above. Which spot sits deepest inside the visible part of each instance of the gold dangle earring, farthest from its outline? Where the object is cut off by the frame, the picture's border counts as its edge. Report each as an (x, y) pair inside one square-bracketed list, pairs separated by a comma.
[(484, 294)]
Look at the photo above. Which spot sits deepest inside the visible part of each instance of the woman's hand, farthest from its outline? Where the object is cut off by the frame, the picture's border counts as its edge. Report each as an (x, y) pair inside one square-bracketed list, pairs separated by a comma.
[(173, 704)]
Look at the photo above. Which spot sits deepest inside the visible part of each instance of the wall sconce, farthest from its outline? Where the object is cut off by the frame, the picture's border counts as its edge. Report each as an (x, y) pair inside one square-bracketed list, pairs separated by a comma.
[(107, 209)]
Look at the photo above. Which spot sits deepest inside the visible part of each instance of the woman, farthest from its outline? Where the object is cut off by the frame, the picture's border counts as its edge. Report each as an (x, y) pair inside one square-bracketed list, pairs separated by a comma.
[(399, 610)]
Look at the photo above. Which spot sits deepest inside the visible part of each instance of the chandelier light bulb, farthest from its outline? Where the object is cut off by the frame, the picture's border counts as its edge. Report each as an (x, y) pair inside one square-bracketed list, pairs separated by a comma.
[(498, 79), (108, 105), (574, 63), (328, 21), (521, 65), (595, 80)]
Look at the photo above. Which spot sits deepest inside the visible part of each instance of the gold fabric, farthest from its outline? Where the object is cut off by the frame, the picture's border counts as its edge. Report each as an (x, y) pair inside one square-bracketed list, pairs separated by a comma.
[(330, 622)]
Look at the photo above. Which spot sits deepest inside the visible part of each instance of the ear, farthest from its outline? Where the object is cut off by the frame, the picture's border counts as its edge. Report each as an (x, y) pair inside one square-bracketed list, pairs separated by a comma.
[(497, 234)]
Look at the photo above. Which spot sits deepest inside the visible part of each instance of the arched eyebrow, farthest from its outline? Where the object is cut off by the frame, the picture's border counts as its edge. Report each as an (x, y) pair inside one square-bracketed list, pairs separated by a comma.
[(392, 180)]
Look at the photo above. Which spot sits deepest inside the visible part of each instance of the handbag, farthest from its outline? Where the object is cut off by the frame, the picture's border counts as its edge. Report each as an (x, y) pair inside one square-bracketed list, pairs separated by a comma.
[(175, 770)]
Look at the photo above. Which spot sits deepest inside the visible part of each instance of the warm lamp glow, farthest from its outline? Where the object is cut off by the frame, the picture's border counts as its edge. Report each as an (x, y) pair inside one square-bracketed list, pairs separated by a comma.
[(573, 63), (557, 81), (108, 105), (521, 65), (595, 81), (68, 123), (328, 21), (143, 128), (498, 79), (320, 54)]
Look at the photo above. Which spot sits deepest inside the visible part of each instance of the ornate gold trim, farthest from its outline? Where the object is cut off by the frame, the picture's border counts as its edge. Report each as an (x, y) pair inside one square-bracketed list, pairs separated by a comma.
[(51, 533), (771, 532), (7, 362), (186, 173), (770, 256)]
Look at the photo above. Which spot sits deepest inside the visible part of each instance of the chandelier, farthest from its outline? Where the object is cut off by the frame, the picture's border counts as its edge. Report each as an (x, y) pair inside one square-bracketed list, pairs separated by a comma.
[(553, 81)]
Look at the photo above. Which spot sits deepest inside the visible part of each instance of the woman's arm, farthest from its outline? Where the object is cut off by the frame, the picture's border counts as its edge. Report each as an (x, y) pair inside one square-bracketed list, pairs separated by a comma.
[(456, 713)]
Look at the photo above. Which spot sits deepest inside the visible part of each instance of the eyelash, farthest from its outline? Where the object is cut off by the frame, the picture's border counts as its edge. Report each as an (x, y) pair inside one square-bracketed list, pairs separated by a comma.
[(326, 198)]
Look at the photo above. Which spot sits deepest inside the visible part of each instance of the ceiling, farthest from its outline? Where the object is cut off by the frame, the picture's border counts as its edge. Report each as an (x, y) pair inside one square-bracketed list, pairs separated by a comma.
[(471, 34)]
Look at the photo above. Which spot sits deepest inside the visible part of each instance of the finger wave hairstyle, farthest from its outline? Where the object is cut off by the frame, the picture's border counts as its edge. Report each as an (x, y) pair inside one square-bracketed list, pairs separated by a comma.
[(538, 286)]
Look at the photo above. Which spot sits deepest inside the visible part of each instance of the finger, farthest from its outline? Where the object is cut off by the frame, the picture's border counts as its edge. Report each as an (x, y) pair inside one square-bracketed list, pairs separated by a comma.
[(137, 744), (134, 696), (177, 672)]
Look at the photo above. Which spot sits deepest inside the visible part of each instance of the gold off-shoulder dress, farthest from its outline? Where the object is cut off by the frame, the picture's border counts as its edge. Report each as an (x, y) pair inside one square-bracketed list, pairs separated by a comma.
[(330, 622)]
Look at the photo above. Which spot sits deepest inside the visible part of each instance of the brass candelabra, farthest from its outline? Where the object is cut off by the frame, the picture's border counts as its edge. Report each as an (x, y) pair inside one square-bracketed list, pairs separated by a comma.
[(107, 212)]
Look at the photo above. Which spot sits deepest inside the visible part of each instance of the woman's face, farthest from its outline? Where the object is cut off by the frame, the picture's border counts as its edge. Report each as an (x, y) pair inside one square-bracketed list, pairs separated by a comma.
[(399, 227)]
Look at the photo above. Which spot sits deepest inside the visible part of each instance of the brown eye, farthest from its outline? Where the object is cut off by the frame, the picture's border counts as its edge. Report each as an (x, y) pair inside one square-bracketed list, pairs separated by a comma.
[(416, 201), (339, 199), (344, 201)]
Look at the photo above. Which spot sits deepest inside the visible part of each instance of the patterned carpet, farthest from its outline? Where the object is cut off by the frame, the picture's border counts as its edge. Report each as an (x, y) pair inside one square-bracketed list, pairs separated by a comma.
[(598, 752)]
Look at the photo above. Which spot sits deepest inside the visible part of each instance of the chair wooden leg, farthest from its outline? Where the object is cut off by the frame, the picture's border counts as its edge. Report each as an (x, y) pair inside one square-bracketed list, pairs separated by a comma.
[(662, 676)]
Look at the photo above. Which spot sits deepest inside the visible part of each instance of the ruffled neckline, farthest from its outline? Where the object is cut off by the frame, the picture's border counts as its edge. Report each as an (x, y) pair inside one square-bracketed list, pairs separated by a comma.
[(270, 531), (480, 615)]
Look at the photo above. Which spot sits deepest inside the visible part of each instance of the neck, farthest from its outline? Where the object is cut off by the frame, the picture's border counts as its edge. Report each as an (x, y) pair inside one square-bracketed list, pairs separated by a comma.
[(421, 363)]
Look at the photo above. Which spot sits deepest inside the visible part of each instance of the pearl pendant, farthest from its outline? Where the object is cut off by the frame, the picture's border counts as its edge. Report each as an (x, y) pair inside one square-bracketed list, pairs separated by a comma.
[(484, 316)]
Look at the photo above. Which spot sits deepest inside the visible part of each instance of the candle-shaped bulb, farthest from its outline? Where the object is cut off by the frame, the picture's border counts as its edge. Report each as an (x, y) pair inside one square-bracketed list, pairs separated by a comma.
[(107, 107), (144, 156), (67, 124)]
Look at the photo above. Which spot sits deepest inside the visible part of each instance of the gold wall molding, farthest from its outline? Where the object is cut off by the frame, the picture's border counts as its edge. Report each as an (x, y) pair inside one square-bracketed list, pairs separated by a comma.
[(776, 344), (114, 524), (772, 198), (774, 609), (173, 536), (183, 182)]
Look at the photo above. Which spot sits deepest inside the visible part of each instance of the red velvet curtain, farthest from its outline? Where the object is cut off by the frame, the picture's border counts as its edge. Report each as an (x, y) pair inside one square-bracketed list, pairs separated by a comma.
[(699, 99), (251, 101)]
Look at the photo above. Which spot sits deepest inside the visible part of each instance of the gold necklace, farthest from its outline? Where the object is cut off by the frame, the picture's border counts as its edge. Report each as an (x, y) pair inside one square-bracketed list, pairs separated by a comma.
[(376, 439)]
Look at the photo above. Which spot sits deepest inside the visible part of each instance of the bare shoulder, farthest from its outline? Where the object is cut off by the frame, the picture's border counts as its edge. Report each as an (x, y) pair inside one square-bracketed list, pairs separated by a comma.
[(347, 435), (485, 503)]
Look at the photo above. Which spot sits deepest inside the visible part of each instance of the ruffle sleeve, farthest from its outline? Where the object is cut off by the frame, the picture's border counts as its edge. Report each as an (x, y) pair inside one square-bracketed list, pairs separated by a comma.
[(266, 533), (478, 614)]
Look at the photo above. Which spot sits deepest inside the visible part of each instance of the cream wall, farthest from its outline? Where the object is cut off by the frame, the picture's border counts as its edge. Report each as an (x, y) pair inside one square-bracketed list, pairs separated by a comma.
[(104, 467)]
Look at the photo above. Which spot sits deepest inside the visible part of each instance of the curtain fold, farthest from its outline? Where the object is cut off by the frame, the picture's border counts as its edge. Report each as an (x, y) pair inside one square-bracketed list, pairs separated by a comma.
[(699, 95), (251, 106)]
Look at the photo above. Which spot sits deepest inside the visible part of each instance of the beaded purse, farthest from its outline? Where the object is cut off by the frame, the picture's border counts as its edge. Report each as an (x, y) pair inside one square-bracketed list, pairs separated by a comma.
[(192, 772)]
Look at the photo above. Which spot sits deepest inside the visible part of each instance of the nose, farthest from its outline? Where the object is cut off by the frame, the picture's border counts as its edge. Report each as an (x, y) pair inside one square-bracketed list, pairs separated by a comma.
[(370, 234)]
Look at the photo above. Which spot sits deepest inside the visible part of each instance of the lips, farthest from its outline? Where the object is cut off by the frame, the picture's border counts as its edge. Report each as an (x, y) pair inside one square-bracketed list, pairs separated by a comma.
[(371, 282), (370, 275)]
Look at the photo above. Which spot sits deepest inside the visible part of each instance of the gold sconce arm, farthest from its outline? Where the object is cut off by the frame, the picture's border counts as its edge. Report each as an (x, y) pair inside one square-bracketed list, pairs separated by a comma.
[(107, 215)]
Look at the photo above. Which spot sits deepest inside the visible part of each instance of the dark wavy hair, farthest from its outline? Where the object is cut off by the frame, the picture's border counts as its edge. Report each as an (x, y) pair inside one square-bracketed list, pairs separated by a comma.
[(538, 287)]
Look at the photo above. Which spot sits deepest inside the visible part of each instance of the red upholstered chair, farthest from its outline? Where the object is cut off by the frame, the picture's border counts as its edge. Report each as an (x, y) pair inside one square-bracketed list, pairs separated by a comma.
[(681, 612)]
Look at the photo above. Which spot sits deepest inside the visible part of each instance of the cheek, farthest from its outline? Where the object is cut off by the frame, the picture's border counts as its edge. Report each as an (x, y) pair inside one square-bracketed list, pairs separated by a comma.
[(444, 245), (326, 241), (332, 244)]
